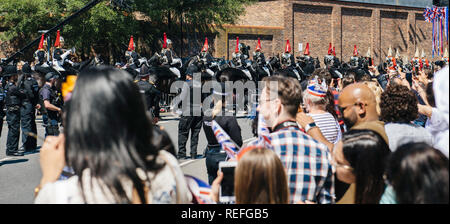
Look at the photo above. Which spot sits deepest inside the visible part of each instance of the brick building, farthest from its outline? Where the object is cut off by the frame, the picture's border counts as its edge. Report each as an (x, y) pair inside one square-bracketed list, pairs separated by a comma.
[(377, 24)]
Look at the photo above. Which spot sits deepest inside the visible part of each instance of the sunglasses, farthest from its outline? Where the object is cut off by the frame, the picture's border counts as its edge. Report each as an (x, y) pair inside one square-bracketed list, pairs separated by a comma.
[(342, 109)]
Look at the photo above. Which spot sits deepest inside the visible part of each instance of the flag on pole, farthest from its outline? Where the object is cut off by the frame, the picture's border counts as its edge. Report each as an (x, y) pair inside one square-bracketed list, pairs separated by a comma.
[(438, 17)]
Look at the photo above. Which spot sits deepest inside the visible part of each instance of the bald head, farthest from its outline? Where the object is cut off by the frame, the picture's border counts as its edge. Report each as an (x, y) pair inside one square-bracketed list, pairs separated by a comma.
[(357, 92), (358, 104)]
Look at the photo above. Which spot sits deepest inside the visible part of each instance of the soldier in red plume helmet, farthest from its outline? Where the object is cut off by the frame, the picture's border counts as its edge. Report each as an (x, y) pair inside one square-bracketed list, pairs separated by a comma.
[(287, 59), (202, 62), (169, 58), (130, 54), (240, 55), (60, 55), (258, 55), (40, 54), (354, 60), (288, 62)]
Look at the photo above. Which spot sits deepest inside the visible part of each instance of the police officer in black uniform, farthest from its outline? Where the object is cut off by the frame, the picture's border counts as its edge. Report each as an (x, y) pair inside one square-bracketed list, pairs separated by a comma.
[(30, 89), (2, 100), (151, 94), (190, 120), (49, 97), (13, 103)]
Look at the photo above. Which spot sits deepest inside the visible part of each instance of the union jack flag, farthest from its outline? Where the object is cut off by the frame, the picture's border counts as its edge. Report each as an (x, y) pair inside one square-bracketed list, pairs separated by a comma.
[(199, 189), (263, 133), (427, 13), (224, 140), (442, 12), (263, 129), (434, 13)]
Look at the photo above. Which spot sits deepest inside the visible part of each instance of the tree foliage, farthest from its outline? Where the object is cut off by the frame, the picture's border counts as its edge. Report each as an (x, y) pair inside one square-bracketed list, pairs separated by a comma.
[(106, 29)]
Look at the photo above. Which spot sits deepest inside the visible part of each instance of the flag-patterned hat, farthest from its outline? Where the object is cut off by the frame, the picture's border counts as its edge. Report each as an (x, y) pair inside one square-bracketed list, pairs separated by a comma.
[(316, 89)]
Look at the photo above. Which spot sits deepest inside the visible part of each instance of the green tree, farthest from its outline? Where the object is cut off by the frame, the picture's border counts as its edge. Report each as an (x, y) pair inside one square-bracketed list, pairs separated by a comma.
[(106, 30)]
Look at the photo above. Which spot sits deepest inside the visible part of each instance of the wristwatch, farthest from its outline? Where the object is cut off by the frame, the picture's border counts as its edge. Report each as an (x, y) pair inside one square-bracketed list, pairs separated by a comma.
[(309, 126)]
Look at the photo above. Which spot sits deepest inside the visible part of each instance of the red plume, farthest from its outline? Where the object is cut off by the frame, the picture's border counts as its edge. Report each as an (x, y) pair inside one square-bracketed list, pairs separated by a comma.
[(427, 62), (41, 43), (57, 41), (355, 51), (307, 49), (420, 64), (394, 62), (131, 44), (205, 46), (288, 47), (334, 51), (237, 45), (258, 47), (330, 49), (165, 41)]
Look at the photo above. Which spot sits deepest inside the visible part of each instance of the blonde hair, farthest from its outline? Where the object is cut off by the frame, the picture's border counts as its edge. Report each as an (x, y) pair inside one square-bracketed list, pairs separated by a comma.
[(260, 178), (377, 91)]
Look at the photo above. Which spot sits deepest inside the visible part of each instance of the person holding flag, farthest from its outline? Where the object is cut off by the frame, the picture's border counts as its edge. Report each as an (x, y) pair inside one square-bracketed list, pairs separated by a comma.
[(220, 144)]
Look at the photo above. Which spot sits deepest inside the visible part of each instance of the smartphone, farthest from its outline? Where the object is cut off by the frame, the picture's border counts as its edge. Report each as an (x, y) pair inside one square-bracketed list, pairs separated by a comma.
[(226, 193)]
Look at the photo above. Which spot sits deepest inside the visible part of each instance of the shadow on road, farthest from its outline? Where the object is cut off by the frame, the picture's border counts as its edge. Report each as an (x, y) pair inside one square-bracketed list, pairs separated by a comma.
[(10, 160)]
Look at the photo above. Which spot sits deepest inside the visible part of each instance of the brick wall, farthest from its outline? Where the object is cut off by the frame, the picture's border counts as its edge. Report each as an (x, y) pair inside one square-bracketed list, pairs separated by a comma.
[(308, 18), (320, 22), (267, 14)]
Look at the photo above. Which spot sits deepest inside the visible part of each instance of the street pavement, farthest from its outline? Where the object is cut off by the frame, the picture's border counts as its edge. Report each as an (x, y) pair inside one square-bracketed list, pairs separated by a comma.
[(20, 175)]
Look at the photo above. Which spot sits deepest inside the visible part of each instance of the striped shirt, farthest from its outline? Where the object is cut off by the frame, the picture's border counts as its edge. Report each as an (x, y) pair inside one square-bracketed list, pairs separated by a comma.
[(328, 126), (307, 165)]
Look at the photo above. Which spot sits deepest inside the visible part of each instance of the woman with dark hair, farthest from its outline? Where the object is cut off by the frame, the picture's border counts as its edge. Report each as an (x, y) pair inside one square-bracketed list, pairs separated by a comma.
[(219, 113), (161, 140), (107, 142), (398, 110), (418, 174), (360, 160)]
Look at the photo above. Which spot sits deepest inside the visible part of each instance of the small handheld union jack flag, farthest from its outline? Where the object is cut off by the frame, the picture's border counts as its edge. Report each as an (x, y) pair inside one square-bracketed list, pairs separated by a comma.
[(199, 189), (263, 129), (263, 133), (224, 140)]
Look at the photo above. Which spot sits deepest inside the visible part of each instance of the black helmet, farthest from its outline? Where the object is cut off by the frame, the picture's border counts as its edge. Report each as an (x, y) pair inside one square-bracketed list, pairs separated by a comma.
[(26, 69), (10, 70), (49, 76)]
